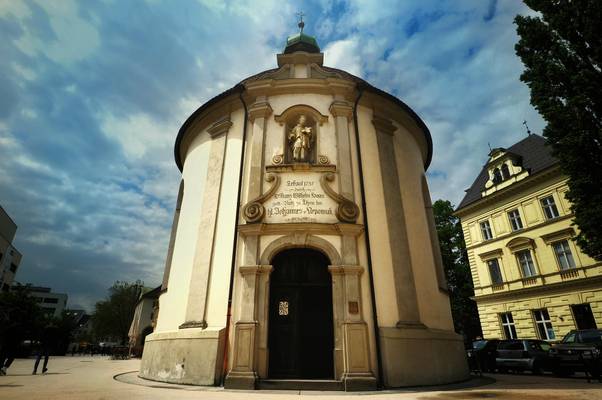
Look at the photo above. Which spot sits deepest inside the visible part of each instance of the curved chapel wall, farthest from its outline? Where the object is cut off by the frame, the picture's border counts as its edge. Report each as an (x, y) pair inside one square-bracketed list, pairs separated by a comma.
[(174, 302), (410, 167), (409, 150)]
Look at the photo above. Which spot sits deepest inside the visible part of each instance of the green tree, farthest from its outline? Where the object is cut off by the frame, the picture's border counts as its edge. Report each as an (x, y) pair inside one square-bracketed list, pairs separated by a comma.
[(457, 270), (112, 317), (561, 49), (19, 312)]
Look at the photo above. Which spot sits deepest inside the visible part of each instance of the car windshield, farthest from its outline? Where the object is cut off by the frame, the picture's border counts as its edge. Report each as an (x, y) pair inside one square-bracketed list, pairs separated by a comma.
[(569, 338), (479, 344), (591, 336)]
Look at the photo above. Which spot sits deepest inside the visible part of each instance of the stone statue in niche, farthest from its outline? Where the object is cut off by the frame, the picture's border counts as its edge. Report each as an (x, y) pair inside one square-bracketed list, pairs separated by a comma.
[(300, 139)]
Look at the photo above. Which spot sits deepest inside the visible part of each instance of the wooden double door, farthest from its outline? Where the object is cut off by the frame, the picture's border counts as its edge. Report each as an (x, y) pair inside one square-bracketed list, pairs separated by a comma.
[(301, 330)]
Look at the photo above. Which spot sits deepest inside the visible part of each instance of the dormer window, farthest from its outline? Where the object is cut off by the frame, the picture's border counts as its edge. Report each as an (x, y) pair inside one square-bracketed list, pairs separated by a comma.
[(505, 171), (497, 176)]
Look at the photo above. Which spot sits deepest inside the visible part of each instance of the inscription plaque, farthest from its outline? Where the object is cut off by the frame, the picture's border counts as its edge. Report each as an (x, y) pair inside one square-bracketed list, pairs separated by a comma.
[(300, 198)]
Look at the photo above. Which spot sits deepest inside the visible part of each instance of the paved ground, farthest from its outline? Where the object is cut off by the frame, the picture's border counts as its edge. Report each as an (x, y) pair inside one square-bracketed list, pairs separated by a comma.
[(85, 378)]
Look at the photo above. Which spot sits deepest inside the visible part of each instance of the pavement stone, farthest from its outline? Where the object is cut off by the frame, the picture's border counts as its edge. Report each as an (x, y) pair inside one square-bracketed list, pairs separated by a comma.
[(85, 377)]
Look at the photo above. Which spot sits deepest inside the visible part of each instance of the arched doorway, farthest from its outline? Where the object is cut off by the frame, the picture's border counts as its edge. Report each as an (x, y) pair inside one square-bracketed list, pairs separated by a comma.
[(301, 330)]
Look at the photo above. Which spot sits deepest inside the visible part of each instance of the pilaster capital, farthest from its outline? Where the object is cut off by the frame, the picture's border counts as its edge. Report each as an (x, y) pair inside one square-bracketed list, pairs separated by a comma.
[(255, 269), (383, 125), (220, 127), (259, 109), (346, 269), (341, 108)]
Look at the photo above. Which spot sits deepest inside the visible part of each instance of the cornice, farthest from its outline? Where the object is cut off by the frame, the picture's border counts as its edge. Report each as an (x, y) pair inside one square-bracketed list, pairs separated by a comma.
[(519, 232), (220, 127), (383, 125), (529, 291), (338, 229), (340, 108), (261, 109), (300, 57)]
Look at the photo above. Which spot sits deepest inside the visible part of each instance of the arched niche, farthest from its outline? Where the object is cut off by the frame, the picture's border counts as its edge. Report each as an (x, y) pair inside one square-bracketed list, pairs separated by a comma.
[(291, 118)]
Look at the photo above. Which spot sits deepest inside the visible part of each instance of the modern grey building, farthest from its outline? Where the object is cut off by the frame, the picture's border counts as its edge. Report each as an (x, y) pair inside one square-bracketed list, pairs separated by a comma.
[(10, 258)]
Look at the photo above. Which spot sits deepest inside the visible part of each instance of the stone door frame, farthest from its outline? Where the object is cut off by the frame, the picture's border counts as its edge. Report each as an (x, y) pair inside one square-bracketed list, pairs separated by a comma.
[(250, 342)]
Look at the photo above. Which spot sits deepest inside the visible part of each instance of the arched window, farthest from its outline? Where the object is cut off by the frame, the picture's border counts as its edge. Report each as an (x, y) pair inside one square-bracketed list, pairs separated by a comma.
[(505, 171), (497, 176)]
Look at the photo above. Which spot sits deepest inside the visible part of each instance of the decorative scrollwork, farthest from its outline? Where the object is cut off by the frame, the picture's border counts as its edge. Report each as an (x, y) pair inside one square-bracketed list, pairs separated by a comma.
[(277, 159), (323, 160), (254, 211), (347, 210)]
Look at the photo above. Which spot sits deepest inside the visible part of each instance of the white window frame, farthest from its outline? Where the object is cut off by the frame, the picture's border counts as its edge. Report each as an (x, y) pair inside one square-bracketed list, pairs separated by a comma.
[(543, 323), (548, 203), (485, 224), (528, 260), (499, 268), (515, 219), (566, 249), (507, 322)]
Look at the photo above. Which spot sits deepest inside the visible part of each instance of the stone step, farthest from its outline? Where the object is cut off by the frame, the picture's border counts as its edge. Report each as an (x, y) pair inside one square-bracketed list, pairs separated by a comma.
[(300, 384)]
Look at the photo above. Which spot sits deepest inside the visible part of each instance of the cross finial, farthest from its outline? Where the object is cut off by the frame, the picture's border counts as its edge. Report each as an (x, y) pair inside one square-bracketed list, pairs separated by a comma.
[(301, 24), (527, 126)]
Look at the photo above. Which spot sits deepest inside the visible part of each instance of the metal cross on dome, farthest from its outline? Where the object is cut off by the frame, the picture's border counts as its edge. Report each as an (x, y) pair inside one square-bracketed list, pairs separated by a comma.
[(301, 24)]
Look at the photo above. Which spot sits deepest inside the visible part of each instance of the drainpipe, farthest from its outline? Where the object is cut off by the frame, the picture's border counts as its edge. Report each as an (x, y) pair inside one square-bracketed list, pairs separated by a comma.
[(235, 245), (361, 89)]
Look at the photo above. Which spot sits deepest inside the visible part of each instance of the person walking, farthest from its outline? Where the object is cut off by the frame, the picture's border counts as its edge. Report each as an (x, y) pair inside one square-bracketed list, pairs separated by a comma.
[(10, 343), (47, 344)]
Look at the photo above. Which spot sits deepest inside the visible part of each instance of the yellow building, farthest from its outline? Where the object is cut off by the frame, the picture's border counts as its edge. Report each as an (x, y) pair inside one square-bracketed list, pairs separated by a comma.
[(531, 280)]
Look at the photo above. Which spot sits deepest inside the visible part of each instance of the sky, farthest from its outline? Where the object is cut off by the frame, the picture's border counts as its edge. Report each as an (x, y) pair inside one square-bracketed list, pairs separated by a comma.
[(92, 94)]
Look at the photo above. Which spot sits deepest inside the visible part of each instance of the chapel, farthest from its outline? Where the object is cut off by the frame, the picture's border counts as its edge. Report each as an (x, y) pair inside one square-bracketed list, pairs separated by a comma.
[(303, 252)]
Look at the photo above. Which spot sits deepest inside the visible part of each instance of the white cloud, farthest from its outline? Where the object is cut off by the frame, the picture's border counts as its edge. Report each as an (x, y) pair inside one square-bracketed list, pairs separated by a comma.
[(344, 54)]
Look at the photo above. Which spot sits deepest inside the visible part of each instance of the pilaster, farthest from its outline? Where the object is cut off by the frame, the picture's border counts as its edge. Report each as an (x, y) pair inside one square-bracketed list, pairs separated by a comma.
[(246, 330), (201, 268), (407, 303)]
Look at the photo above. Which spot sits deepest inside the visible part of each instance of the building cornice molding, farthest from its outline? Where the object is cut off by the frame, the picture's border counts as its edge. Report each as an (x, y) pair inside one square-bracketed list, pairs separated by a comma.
[(519, 232), (530, 291), (260, 109), (300, 57), (220, 127), (340, 108), (338, 229), (558, 235)]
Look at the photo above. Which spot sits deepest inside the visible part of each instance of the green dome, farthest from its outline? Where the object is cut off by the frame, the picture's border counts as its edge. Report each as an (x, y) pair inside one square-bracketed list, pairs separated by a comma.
[(301, 42)]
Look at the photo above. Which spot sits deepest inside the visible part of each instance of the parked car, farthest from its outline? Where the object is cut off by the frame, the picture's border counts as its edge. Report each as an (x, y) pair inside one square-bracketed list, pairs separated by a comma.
[(482, 355), (579, 350), (523, 354)]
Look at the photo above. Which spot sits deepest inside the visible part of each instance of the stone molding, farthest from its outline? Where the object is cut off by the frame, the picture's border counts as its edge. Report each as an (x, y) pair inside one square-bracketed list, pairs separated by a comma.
[(340, 108), (383, 125), (254, 210), (220, 127), (558, 235), (300, 240), (261, 109), (521, 243), (300, 57), (347, 210), (301, 109), (488, 255), (352, 230), (193, 324)]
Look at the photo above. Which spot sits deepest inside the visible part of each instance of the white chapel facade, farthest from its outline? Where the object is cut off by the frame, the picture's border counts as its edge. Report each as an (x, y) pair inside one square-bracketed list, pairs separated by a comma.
[(303, 245)]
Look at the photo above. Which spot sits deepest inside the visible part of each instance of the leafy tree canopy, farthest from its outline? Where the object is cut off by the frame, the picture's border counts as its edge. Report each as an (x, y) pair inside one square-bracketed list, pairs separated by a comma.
[(457, 270), (112, 317), (561, 49)]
